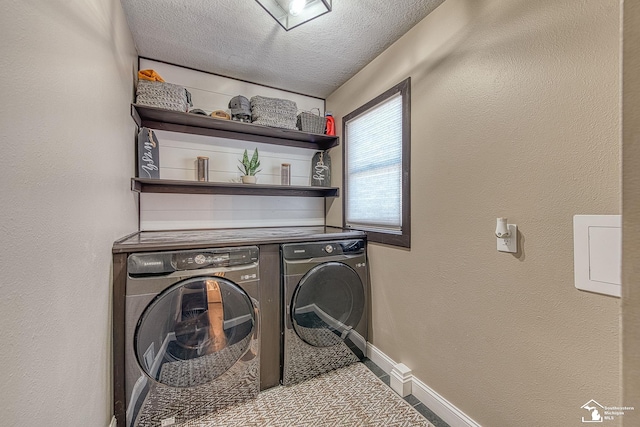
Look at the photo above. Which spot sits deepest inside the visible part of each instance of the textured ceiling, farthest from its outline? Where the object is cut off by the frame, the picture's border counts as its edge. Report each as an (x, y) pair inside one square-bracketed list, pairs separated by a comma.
[(237, 38)]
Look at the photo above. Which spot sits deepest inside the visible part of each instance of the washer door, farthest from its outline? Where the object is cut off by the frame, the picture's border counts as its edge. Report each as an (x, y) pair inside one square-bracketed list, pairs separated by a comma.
[(194, 331), (327, 304)]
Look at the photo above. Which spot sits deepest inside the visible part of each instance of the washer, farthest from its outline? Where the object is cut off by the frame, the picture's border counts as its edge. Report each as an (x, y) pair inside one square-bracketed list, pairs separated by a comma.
[(191, 333), (325, 307)]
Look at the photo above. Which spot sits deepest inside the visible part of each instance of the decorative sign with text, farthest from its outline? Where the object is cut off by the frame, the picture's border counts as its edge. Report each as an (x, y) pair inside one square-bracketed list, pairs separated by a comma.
[(148, 154), (321, 170)]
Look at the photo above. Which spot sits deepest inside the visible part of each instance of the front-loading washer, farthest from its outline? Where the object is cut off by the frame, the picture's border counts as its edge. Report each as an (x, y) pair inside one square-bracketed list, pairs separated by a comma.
[(325, 307), (192, 333)]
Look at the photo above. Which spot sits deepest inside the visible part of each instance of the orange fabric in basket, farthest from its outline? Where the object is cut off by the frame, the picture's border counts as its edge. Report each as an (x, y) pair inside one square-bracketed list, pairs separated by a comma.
[(150, 75)]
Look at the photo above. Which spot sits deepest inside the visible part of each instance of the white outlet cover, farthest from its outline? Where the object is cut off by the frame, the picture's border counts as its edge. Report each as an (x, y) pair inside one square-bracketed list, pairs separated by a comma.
[(510, 244)]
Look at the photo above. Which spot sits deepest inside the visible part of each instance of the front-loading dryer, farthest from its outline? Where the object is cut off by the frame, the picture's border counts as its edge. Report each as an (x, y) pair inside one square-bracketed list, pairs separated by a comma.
[(192, 333), (325, 290)]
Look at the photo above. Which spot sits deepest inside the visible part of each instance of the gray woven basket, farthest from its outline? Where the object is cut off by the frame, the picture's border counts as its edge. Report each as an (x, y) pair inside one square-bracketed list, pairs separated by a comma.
[(162, 95), (274, 112), (312, 123)]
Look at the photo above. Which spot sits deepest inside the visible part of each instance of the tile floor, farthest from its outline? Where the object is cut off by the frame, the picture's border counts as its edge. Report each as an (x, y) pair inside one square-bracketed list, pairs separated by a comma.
[(411, 399)]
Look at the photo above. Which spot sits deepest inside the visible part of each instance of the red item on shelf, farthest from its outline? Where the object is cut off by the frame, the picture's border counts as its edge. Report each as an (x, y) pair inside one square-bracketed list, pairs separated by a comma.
[(331, 125)]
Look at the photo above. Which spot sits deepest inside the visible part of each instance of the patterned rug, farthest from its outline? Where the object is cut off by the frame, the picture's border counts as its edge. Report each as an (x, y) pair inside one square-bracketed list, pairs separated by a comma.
[(351, 397), (202, 370), (241, 383), (303, 361)]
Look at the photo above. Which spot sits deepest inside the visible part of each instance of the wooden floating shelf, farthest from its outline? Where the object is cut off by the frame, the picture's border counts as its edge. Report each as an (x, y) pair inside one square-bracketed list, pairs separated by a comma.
[(177, 121), (144, 185)]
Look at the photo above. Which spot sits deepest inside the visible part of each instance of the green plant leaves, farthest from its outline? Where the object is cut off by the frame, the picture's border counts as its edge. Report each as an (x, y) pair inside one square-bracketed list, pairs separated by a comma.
[(250, 167)]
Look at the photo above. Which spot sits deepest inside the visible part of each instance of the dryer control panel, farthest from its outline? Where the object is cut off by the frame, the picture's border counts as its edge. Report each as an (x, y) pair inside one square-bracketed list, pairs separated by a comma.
[(322, 249)]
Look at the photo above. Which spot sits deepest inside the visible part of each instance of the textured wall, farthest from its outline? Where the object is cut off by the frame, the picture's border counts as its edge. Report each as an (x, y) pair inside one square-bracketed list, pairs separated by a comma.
[(67, 72), (515, 112), (631, 213)]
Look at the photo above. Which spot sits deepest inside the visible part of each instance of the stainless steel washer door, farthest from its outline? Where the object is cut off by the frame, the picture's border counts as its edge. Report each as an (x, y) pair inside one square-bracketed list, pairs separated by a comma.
[(327, 304), (194, 331)]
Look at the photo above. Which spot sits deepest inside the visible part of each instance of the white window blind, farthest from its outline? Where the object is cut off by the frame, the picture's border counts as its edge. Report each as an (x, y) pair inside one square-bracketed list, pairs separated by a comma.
[(374, 167)]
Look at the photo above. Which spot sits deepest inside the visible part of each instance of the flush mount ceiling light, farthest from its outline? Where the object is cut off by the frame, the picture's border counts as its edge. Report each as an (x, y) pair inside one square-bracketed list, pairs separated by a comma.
[(291, 13)]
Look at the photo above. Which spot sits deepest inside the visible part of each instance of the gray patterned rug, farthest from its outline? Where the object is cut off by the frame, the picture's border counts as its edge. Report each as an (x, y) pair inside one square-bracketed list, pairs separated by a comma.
[(303, 361), (351, 396), (239, 384)]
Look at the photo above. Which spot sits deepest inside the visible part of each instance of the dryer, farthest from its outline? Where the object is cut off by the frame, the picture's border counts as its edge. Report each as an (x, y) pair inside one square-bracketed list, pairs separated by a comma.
[(325, 307), (191, 333)]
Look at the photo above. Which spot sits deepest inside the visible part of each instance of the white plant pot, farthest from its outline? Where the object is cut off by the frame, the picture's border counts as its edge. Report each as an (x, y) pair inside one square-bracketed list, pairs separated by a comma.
[(246, 179)]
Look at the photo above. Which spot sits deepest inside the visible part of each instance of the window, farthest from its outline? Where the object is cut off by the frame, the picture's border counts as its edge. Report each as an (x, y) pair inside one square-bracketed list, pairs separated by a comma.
[(377, 144)]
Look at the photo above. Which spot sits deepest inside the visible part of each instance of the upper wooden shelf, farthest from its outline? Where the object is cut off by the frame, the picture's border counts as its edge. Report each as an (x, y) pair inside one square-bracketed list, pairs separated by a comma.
[(176, 121)]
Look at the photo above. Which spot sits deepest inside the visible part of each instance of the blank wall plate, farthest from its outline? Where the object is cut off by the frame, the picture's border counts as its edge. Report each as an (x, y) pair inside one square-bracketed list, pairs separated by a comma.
[(597, 253)]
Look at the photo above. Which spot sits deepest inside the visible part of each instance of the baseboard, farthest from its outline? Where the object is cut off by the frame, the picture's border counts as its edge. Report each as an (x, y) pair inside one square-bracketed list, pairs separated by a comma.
[(383, 361), (401, 380), (425, 394), (114, 422), (441, 406)]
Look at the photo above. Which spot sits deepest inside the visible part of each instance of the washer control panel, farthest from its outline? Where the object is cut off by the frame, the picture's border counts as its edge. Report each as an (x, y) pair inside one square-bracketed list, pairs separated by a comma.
[(190, 261), (153, 263)]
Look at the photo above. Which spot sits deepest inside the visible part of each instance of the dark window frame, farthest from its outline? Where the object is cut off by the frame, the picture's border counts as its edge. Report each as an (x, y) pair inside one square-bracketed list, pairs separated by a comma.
[(388, 238)]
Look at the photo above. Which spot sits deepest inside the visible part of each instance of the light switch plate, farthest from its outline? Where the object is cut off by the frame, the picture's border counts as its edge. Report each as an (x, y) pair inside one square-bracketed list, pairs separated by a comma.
[(510, 244)]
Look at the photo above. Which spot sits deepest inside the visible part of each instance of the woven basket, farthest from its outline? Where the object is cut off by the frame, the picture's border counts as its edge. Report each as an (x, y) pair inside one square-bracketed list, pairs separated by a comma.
[(162, 95), (274, 112), (312, 123)]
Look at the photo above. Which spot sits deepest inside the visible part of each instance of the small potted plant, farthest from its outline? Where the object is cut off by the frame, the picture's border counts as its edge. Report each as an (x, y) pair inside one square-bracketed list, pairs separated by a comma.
[(249, 168)]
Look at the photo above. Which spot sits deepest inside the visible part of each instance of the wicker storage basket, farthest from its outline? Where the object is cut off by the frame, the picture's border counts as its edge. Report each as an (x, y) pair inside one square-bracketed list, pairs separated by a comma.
[(312, 123), (162, 95), (274, 112)]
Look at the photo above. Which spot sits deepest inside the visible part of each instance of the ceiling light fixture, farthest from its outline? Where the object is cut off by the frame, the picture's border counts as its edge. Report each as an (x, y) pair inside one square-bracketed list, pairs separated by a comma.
[(297, 6), (291, 13)]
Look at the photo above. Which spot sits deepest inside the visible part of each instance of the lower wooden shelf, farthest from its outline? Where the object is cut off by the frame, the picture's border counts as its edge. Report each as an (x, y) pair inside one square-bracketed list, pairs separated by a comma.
[(144, 185)]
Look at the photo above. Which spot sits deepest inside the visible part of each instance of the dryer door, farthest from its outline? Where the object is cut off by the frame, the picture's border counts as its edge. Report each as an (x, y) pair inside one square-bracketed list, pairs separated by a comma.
[(327, 304), (194, 331)]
